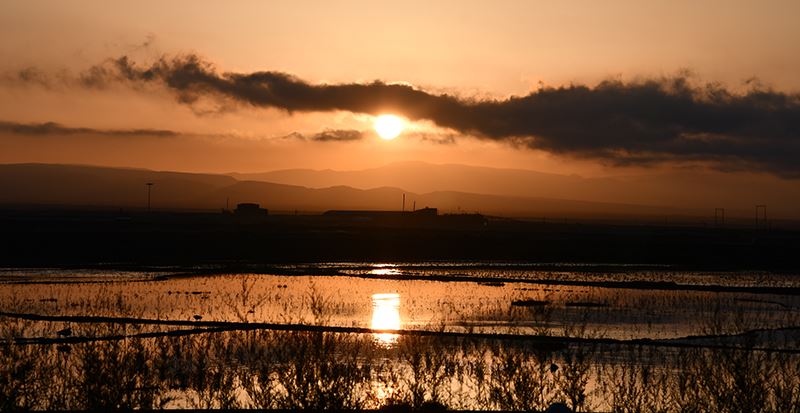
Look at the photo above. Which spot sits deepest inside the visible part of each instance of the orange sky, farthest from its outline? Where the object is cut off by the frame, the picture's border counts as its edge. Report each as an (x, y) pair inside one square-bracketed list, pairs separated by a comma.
[(470, 49)]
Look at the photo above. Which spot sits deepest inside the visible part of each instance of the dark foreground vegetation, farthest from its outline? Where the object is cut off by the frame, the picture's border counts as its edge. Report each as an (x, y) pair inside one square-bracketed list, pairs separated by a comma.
[(51, 363), (100, 360), (323, 370), (59, 238)]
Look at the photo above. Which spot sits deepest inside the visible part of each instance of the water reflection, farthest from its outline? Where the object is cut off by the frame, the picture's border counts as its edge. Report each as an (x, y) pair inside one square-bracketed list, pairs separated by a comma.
[(384, 269), (386, 316)]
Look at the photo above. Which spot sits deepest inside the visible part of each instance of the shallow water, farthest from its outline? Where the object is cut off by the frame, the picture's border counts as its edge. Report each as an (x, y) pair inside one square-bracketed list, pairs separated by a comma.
[(475, 371), (423, 296)]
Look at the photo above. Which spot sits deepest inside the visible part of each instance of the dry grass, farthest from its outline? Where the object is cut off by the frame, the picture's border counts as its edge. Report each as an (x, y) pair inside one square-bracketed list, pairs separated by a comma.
[(325, 370)]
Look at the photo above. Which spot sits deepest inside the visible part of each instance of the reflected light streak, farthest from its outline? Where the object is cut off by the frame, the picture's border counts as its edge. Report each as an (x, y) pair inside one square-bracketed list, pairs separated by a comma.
[(386, 316), (384, 269)]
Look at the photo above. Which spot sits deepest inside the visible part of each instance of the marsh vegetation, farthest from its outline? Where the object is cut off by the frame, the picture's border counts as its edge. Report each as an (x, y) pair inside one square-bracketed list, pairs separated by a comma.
[(269, 341)]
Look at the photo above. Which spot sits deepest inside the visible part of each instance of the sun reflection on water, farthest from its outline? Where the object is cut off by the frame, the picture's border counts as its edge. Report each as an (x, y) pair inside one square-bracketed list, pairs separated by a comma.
[(386, 316), (384, 269)]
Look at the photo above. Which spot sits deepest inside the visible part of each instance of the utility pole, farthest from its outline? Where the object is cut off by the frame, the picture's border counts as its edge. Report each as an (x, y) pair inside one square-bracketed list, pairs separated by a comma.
[(149, 187), (719, 216), (763, 221), (404, 202)]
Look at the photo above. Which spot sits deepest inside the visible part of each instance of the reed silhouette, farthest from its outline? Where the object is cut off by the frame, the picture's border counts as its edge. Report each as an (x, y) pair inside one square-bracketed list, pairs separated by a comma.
[(121, 367)]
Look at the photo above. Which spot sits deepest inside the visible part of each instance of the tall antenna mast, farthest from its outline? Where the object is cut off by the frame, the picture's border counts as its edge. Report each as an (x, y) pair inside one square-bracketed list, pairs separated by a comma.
[(719, 216), (149, 187), (763, 220)]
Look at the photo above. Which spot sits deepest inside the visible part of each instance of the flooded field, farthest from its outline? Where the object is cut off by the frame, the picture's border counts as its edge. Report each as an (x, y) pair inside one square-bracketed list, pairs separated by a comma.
[(366, 335)]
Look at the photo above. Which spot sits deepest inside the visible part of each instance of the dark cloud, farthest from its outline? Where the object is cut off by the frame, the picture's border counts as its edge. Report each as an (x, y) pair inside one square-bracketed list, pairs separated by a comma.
[(33, 75), (329, 135), (637, 122), (337, 135), (437, 138), (29, 76), (55, 129)]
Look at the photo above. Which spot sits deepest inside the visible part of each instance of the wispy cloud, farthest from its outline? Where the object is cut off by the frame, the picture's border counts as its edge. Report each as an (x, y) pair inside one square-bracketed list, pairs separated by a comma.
[(55, 129), (329, 135), (337, 135)]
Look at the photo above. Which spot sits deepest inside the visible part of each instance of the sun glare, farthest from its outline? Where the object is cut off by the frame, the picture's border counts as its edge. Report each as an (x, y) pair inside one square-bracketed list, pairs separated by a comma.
[(386, 316), (388, 127)]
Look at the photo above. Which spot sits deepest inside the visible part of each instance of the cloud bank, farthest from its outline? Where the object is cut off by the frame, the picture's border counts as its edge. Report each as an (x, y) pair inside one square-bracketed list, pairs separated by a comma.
[(55, 129), (336, 135), (626, 123)]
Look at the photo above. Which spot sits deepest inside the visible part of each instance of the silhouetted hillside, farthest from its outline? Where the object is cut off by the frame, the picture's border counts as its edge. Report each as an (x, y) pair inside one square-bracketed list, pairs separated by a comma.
[(38, 184), (98, 186), (706, 190)]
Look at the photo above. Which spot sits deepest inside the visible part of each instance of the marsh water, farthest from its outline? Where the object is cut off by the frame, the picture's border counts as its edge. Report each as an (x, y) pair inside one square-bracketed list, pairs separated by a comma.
[(620, 302), (496, 306)]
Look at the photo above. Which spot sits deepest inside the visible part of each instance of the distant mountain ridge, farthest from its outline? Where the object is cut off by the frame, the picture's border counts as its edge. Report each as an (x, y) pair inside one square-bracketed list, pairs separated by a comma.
[(691, 189), (423, 177), (47, 184)]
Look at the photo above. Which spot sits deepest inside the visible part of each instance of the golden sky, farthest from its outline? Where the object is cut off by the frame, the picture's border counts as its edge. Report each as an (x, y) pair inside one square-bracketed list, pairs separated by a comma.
[(475, 51)]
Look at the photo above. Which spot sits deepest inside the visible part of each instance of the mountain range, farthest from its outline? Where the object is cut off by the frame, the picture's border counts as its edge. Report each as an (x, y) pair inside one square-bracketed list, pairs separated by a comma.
[(500, 192), (691, 189)]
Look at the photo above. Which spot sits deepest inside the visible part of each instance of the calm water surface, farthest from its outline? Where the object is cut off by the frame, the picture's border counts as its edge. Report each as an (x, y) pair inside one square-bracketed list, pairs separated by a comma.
[(427, 296)]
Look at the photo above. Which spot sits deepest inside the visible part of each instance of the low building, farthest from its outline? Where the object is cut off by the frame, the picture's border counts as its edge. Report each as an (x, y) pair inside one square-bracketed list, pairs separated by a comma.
[(248, 209), (368, 215), (425, 217), (426, 212)]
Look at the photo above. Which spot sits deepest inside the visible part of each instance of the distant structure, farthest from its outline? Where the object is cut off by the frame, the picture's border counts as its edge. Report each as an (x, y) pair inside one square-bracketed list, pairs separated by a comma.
[(149, 187), (250, 210), (425, 217), (719, 217), (427, 211), (367, 215), (762, 220)]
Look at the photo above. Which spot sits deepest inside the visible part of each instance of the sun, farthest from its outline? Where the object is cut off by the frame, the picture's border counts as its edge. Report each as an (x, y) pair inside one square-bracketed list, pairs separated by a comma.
[(388, 127)]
